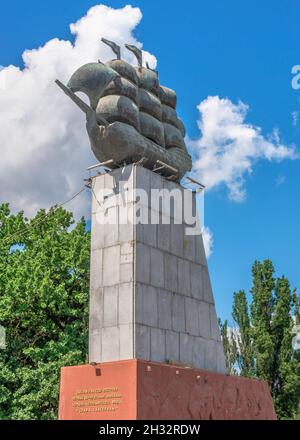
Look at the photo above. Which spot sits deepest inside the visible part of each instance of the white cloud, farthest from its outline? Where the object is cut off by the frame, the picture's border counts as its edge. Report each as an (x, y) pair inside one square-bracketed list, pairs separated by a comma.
[(44, 145), (207, 241), (295, 117), (229, 146), (280, 180)]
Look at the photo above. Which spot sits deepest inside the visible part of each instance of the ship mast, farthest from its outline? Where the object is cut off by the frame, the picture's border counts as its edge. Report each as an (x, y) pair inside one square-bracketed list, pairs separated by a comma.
[(115, 48)]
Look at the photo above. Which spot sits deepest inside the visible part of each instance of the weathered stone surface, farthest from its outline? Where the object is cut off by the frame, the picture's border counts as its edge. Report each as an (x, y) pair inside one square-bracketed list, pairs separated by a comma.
[(184, 276), (157, 267), (143, 180), (149, 308), (126, 341), (199, 352), (221, 365), (158, 345), (214, 327), (157, 391), (97, 233), (186, 349), (111, 266), (110, 306), (126, 273), (178, 313), (196, 281), (142, 341), (171, 272), (127, 262), (142, 263), (210, 354), (150, 287), (177, 233), (163, 236), (207, 291), (204, 320), (125, 303), (95, 345), (189, 247), (95, 324), (146, 233), (96, 278), (172, 346), (111, 236), (200, 251), (169, 392), (110, 344), (191, 316), (165, 309)]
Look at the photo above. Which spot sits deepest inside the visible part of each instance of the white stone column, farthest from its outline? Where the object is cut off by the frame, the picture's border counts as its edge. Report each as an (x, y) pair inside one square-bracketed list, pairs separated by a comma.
[(150, 291)]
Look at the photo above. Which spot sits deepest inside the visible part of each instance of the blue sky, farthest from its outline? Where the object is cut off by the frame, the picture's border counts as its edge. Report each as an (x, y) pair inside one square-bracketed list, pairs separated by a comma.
[(237, 50)]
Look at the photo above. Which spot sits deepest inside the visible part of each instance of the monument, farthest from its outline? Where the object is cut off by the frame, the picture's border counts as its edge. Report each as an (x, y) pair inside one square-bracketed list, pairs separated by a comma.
[(155, 349)]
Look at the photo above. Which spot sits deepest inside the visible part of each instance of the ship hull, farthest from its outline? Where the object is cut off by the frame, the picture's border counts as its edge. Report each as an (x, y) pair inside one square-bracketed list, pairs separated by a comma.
[(124, 144)]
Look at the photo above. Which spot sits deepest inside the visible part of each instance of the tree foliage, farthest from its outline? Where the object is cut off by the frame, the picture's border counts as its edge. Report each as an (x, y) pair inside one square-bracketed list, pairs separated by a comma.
[(262, 345), (44, 277), (230, 347)]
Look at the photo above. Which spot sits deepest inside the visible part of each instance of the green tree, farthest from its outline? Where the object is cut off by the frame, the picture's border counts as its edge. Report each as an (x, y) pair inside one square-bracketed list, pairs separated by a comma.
[(229, 346), (44, 278), (286, 367), (243, 348), (261, 314), (263, 345)]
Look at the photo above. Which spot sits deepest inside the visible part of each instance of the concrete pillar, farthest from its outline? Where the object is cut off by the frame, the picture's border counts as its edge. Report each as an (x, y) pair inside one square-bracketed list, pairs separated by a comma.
[(150, 292)]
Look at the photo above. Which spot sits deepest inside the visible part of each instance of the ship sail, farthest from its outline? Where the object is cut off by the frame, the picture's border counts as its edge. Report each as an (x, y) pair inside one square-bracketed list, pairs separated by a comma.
[(91, 79), (136, 98)]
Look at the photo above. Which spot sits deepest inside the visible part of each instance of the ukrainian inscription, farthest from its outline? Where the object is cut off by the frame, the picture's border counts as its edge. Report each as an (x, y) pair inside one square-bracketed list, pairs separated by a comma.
[(97, 400)]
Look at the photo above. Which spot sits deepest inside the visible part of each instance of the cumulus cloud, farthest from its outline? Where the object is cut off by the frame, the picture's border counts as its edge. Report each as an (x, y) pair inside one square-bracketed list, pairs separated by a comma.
[(207, 241), (44, 146), (229, 146)]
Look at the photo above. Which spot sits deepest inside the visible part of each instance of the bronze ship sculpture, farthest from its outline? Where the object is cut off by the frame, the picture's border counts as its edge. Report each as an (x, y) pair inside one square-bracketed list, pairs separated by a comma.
[(131, 117)]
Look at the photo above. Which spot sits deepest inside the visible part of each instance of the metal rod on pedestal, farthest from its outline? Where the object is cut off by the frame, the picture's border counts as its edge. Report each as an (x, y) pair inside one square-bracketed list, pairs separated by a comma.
[(195, 181), (101, 164)]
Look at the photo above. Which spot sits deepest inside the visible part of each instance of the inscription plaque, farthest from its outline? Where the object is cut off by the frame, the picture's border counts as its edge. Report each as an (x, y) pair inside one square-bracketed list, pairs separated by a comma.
[(97, 400)]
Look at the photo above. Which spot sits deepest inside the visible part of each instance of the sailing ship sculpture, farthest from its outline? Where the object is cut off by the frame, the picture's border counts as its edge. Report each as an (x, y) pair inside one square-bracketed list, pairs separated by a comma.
[(131, 117)]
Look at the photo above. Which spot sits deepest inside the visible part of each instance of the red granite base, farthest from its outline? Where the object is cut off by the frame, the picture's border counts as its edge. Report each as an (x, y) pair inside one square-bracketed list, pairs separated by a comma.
[(140, 390)]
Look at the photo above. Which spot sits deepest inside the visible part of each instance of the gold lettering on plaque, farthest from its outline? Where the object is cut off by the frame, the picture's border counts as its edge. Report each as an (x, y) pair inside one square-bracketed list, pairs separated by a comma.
[(97, 400)]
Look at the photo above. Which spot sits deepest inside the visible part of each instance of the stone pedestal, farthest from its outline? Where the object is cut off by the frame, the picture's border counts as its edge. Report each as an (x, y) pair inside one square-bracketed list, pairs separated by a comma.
[(155, 349), (140, 390), (150, 292)]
